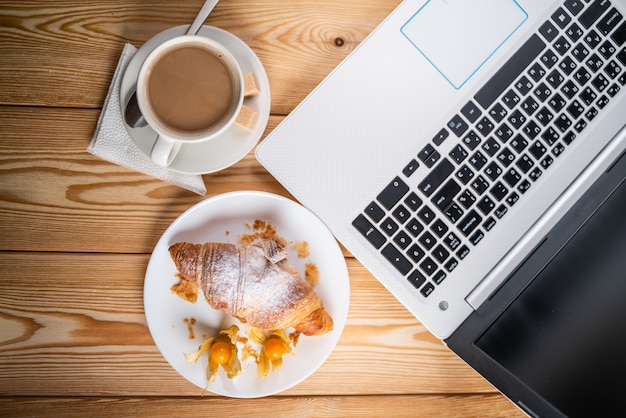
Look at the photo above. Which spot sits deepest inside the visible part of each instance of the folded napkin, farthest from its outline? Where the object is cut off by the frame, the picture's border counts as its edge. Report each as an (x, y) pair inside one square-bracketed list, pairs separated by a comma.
[(112, 142)]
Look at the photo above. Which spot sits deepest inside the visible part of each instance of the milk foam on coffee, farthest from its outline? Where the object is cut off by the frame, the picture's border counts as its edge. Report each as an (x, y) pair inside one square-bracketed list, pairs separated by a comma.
[(190, 88)]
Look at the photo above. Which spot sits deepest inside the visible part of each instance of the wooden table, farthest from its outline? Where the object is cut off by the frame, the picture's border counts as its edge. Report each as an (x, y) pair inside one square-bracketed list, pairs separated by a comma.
[(76, 232)]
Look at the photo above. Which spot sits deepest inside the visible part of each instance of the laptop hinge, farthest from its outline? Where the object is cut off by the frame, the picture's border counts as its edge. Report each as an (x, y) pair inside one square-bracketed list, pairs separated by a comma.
[(538, 231)]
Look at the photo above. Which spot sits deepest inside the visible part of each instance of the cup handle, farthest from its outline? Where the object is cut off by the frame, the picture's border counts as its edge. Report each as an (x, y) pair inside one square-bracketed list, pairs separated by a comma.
[(164, 151)]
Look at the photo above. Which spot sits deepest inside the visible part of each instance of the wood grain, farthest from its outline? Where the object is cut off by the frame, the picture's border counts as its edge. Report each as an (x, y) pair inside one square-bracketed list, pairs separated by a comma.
[(72, 48), (54, 196), (77, 320), (488, 405), (76, 232)]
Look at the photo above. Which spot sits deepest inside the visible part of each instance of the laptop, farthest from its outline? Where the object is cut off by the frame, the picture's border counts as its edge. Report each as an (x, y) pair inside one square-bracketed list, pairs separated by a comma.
[(462, 153)]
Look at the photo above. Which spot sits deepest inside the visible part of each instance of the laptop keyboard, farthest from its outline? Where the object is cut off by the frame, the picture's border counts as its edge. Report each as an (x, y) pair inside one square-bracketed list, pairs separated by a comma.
[(516, 126)]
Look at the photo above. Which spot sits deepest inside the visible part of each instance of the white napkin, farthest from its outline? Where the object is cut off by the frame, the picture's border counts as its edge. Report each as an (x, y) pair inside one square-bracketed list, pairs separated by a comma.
[(111, 141)]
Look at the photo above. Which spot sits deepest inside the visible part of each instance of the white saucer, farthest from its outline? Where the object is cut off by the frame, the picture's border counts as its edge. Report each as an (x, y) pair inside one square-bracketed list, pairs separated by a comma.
[(235, 143), (222, 218)]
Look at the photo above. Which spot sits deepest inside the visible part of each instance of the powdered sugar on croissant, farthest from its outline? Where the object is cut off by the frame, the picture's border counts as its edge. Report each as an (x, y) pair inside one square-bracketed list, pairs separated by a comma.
[(254, 283)]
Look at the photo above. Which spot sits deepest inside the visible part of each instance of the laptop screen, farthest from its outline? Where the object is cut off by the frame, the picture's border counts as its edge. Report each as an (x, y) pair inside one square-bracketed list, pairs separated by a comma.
[(553, 338), (565, 335)]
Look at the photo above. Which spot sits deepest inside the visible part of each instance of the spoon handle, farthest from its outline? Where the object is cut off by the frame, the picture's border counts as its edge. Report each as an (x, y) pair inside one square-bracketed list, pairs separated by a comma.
[(204, 12)]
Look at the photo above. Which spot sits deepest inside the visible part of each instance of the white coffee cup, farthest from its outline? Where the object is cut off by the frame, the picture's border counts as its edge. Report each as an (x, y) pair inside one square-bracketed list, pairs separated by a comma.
[(189, 89)]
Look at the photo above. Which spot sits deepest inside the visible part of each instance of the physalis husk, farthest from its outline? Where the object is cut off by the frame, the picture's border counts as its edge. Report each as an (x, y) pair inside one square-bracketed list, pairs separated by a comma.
[(274, 346), (222, 351)]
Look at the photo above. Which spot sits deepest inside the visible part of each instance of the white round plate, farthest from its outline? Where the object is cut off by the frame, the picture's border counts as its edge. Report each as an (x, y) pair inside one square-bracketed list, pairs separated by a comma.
[(232, 145), (222, 219)]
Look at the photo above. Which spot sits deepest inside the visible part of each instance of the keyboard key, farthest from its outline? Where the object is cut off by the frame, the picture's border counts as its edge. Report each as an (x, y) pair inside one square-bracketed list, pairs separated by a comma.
[(428, 266), (392, 193), (414, 227), (609, 21), (375, 212), (537, 150), (512, 177), (574, 6), (524, 163), (548, 31), (471, 112), (451, 264), (413, 201), (463, 252), (389, 226), (417, 279), (467, 199), (484, 126), (557, 102), (439, 228), (480, 185), (458, 154), (368, 230), (593, 12), (509, 71), (446, 194), (619, 36), (530, 106), (478, 160), (453, 212), (580, 52), (439, 277), (402, 239), (549, 59), (523, 85), (498, 191), (506, 157), (426, 214), (490, 146), (501, 211), (416, 253), (542, 92), (440, 253), (511, 99), (531, 129), (441, 136), (471, 140), (452, 241), (469, 223), (498, 112), (493, 170), (555, 78), (567, 65), (410, 168), (561, 18), (427, 290), (486, 205), (464, 174), (489, 224), (426, 152), (477, 237), (401, 214), (574, 32), (395, 257), (562, 45), (592, 39), (457, 125), (427, 240), (437, 176)]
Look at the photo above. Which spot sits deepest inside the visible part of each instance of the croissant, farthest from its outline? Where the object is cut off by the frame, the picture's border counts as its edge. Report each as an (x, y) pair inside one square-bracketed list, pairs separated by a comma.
[(254, 283)]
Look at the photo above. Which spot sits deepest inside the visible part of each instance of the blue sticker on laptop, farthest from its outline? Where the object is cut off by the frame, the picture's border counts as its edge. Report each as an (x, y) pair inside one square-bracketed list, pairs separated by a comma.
[(458, 36)]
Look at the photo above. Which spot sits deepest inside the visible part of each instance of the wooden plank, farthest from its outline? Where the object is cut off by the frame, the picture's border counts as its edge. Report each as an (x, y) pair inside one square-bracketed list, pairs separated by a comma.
[(488, 405), (54, 196), (73, 325), (72, 47)]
